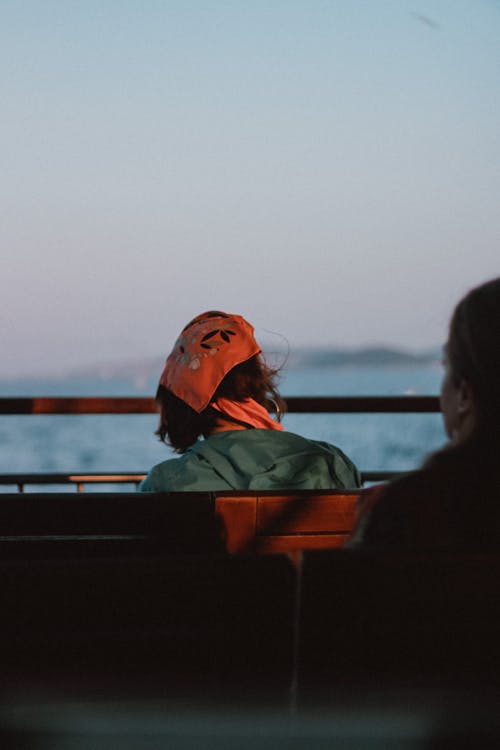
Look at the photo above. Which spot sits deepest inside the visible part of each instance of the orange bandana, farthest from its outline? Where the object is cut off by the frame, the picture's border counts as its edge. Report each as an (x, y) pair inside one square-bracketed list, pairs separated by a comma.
[(247, 412), (208, 347)]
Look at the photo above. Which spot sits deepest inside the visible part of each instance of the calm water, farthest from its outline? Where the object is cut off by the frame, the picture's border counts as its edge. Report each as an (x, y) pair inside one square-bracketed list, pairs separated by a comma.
[(95, 443)]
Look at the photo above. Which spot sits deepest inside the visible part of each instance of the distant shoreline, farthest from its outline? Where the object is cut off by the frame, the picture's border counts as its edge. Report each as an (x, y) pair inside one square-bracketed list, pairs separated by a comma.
[(143, 370), (376, 356)]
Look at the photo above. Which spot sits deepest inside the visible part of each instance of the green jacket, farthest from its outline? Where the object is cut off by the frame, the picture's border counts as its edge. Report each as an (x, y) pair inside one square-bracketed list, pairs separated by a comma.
[(254, 460)]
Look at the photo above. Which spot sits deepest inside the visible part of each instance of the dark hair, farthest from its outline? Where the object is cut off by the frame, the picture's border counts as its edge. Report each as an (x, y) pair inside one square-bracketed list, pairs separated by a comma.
[(454, 501), (180, 425), (473, 354), (473, 349)]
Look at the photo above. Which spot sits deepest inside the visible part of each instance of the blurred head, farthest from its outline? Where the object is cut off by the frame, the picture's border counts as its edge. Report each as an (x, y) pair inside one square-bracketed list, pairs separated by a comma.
[(215, 356), (470, 394)]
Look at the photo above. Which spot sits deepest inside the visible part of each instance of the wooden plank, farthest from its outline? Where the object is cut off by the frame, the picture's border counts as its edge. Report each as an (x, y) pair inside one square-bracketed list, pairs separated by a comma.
[(426, 619), (59, 478), (306, 514), (153, 514), (146, 405), (78, 405), (297, 542), (238, 516), (191, 623)]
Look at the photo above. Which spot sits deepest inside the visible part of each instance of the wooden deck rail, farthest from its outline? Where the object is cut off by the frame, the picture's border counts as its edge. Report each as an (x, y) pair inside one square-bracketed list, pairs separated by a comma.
[(146, 405), (79, 481)]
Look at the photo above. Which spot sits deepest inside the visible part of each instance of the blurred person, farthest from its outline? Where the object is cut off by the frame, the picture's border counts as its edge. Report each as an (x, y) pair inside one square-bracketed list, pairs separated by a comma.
[(453, 501)]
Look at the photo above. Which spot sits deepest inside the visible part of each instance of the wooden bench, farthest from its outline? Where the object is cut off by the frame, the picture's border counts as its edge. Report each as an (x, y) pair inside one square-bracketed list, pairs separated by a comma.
[(115, 523), (135, 591), (188, 627), (380, 621), (202, 626)]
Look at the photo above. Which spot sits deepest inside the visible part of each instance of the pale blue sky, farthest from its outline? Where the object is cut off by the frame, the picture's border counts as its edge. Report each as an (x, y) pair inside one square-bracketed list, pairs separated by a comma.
[(328, 168)]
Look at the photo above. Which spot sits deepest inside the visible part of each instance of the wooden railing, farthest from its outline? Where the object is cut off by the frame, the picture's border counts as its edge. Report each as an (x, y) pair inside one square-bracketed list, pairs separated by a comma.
[(146, 405), (78, 405), (21, 480)]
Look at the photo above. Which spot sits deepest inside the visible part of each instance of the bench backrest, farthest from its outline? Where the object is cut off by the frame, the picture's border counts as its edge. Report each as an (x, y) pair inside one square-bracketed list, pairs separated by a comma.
[(197, 623), (245, 521), (286, 522), (378, 619), (187, 625)]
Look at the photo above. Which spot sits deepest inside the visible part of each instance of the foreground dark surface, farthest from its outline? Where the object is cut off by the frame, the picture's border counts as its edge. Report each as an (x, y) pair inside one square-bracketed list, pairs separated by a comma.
[(153, 636)]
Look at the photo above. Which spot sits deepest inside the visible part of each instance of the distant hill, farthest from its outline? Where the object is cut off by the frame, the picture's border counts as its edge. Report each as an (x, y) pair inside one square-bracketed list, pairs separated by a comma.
[(375, 356), (144, 373)]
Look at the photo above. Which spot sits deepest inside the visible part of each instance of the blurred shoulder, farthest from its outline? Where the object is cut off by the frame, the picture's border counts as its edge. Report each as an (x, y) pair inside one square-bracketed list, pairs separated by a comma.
[(396, 513)]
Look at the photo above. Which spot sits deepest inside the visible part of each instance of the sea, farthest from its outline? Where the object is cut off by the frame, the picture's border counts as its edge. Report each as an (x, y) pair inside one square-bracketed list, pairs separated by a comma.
[(126, 443)]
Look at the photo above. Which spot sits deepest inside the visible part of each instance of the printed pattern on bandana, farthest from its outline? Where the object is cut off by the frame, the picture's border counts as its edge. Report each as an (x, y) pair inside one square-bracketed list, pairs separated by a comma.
[(208, 347)]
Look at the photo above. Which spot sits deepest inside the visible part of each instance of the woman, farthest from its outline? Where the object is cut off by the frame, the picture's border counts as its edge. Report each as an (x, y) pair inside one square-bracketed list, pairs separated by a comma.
[(454, 500), (216, 386)]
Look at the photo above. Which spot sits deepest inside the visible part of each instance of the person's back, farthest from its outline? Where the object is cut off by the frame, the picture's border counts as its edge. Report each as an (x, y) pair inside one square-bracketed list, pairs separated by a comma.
[(453, 502), (215, 394), (255, 460)]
